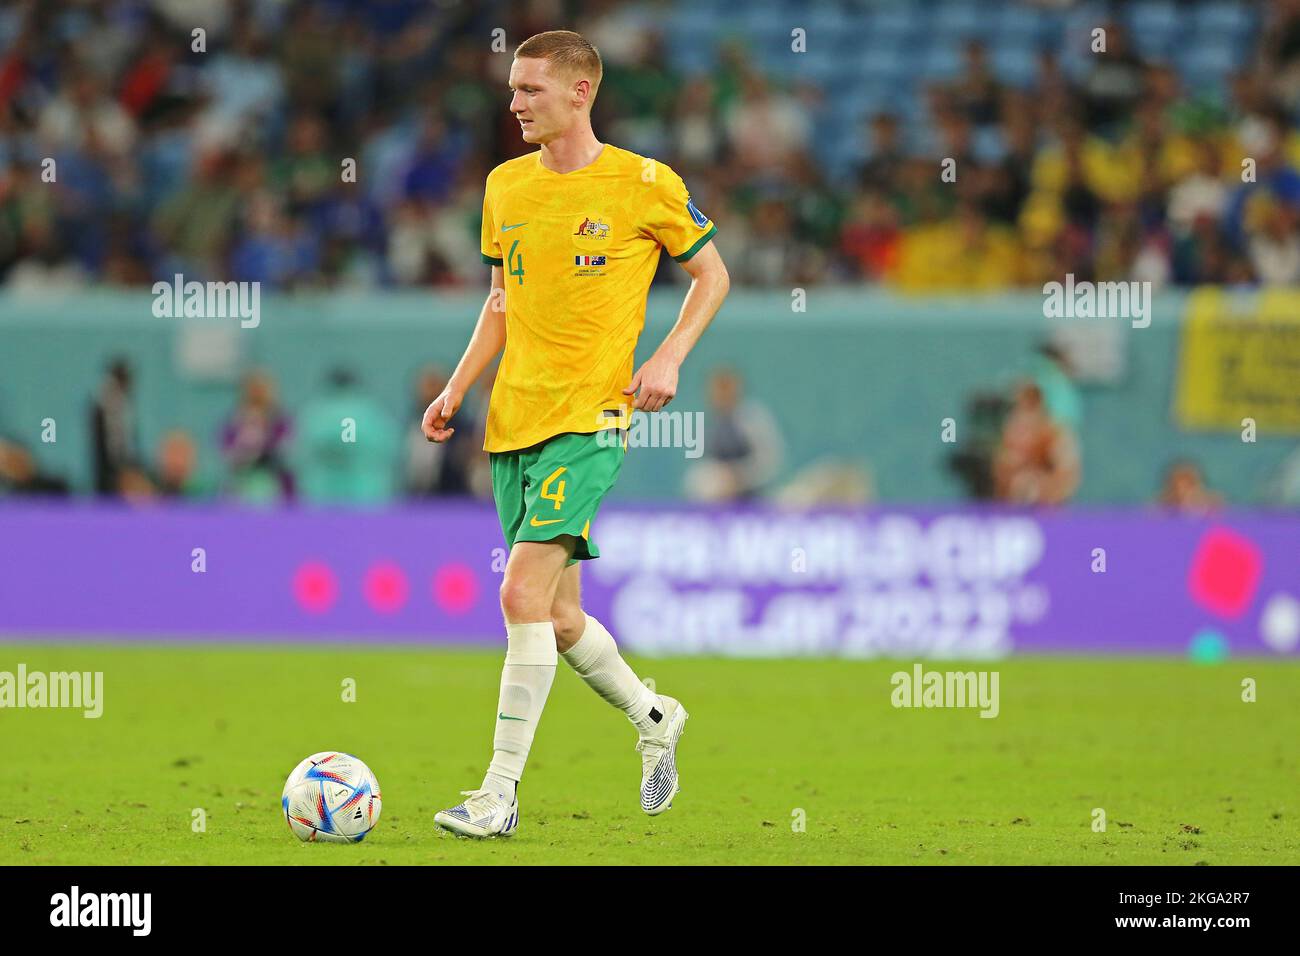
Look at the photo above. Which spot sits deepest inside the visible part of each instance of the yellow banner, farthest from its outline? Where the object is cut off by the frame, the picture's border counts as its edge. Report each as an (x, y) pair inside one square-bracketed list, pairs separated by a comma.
[(1240, 359)]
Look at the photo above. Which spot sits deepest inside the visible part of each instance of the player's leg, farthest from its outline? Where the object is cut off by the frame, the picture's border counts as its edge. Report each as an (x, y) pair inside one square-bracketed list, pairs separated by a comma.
[(527, 592), (590, 650), (566, 610), (532, 576)]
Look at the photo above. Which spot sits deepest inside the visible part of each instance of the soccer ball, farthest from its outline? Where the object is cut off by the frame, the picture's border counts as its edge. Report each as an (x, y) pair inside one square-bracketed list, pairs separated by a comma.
[(331, 797)]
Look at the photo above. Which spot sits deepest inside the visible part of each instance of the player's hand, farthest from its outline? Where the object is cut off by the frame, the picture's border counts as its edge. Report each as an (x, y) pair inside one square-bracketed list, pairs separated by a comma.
[(654, 384), (438, 414)]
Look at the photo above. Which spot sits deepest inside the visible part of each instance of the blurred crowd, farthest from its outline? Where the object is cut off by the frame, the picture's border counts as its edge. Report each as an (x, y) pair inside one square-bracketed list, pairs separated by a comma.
[(346, 447), (1125, 176), (1023, 445), (132, 148), (342, 447), (231, 162)]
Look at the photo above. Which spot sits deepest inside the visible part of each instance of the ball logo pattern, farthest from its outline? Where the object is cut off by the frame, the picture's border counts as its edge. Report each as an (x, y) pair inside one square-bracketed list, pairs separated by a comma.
[(331, 797)]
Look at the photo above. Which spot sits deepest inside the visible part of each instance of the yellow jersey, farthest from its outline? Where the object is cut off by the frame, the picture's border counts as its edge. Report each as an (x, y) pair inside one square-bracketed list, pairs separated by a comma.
[(579, 250)]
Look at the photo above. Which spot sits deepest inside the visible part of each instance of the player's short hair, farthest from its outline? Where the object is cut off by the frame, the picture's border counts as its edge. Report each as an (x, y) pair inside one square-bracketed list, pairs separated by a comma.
[(567, 52)]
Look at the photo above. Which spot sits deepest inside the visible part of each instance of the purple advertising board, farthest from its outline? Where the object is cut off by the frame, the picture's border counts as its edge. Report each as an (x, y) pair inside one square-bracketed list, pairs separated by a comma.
[(898, 582)]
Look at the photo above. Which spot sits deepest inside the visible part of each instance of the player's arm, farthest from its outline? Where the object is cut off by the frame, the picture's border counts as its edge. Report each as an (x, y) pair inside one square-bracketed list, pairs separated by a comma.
[(484, 345), (656, 379)]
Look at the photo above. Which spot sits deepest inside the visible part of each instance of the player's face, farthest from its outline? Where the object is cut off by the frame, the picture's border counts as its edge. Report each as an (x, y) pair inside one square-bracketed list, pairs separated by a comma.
[(542, 103)]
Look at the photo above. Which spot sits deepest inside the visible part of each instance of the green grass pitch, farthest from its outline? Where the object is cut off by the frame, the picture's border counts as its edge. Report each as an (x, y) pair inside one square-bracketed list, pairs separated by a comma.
[(1185, 771)]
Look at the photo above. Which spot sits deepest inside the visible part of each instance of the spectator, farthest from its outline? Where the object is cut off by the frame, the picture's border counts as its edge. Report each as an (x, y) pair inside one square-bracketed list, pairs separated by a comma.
[(276, 250), (1275, 179), (174, 475), (871, 236), (1007, 184), (1280, 53), (112, 429), (196, 223), (742, 444), (1283, 487), (244, 82), (19, 474), (1037, 461), (1203, 194), (698, 138), (1184, 489), (439, 468), (965, 253), (1054, 376), (772, 254), (1274, 247), (978, 93), (885, 158), (1115, 82), (82, 115), (348, 447), (44, 267), (766, 129), (255, 441)]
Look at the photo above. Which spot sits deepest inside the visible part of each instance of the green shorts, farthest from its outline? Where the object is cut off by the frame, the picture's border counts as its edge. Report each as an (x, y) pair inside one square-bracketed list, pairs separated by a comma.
[(554, 489)]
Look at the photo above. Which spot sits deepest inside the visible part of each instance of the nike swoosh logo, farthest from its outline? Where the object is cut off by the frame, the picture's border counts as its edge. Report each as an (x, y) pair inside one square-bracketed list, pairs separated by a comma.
[(513, 226), (537, 524), (501, 716)]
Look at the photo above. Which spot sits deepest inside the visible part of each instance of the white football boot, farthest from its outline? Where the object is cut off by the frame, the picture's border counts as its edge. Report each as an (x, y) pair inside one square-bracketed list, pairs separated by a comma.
[(482, 814), (659, 758)]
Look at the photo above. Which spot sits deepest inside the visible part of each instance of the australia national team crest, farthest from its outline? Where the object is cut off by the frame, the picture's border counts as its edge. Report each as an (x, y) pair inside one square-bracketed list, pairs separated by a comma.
[(592, 227)]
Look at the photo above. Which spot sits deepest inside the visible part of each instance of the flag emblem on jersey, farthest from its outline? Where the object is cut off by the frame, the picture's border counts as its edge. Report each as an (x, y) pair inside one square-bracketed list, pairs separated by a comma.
[(588, 260), (699, 217)]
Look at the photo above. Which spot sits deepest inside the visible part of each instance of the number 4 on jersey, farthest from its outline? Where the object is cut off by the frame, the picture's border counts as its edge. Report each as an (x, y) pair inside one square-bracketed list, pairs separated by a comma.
[(515, 269)]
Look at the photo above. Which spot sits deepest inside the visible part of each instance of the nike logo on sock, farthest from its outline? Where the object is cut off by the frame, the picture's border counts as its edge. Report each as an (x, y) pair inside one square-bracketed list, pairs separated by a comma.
[(501, 716)]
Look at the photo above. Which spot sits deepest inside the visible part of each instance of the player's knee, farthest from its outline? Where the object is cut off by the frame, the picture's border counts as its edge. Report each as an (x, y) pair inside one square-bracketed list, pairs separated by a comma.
[(519, 602), (570, 622)]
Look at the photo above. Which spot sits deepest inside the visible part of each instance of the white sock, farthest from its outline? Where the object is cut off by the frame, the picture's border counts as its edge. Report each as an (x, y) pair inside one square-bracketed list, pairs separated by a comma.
[(525, 682), (596, 659)]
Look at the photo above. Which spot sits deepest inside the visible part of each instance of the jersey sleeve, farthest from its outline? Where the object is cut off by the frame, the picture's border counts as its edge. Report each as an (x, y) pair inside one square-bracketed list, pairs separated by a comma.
[(672, 218), (490, 243)]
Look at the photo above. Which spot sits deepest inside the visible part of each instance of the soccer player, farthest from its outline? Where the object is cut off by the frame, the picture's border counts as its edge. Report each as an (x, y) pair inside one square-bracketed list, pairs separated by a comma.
[(572, 232)]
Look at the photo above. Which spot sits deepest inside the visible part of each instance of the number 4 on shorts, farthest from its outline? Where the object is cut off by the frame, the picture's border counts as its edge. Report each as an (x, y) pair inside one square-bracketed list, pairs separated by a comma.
[(556, 496)]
